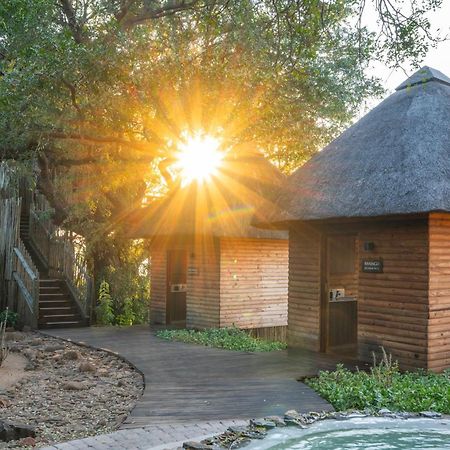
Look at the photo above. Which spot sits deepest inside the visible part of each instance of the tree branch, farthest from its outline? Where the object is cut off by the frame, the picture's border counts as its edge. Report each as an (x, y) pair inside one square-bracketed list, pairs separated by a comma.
[(168, 10), (71, 20), (73, 98), (136, 145)]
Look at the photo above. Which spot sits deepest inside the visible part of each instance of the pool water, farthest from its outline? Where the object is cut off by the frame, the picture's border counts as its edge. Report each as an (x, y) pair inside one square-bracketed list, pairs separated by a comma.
[(360, 434)]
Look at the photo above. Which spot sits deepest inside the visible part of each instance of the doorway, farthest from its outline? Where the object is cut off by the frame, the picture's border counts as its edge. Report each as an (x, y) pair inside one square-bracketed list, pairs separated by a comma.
[(176, 287), (339, 308)]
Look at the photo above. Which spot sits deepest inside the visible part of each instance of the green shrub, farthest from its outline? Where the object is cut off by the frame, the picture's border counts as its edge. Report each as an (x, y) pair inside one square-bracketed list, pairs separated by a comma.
[(128, 315), (104, 309), (11, 317), (384, 387), (228, 338)]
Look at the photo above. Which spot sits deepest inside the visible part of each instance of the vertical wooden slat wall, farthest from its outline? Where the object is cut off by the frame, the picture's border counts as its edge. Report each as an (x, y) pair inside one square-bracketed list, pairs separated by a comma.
[(253, 282), (158, 283), (304, 288), (439, 292), (203, 280), (393, 305)]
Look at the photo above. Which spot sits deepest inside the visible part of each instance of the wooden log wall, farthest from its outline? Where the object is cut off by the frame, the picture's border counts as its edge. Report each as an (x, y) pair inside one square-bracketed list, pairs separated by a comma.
[(253, 282), (304, 287), (393, 305), (439, 292), (203, 280), (158, 283)]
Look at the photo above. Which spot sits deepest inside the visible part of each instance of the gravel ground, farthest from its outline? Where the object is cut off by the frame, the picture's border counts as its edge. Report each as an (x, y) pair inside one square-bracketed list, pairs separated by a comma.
[(69, 391)]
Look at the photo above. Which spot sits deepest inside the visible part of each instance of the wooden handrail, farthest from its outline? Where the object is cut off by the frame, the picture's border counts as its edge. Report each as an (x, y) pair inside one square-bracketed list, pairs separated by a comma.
[(27, 295), (25, 264)]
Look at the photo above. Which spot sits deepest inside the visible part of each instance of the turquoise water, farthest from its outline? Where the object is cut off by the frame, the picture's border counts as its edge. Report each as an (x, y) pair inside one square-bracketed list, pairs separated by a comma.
[(360, 434)]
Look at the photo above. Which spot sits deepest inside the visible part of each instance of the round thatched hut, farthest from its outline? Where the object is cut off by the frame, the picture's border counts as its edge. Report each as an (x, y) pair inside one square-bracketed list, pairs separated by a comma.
[(369, 224), (210, 267)]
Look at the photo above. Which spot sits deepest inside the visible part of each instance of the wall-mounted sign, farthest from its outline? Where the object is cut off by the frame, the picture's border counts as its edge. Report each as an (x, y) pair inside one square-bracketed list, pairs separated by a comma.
[(192, 270), (372, 265)]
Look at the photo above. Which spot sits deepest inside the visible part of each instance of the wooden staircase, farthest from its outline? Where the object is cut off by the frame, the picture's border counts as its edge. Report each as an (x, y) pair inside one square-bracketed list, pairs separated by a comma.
[(57, 308)]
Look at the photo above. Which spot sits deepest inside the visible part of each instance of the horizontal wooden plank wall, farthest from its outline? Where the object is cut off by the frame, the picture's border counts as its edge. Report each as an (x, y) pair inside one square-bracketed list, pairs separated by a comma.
[(158, 283), (304, 287), (393, 305), (203, 279), (253, 282), (439, 292)]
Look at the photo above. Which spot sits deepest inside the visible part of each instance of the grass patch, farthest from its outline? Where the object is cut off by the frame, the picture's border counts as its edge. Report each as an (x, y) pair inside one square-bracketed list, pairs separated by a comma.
[(228, 338), (384, 387)]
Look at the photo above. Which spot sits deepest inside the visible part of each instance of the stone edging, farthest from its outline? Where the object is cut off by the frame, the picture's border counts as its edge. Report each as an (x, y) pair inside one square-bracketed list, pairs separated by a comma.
[(106, 350), (236, 437)]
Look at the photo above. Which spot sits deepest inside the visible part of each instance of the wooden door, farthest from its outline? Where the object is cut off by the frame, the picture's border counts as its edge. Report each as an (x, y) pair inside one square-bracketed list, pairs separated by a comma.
[(340, 294), (176, 287)]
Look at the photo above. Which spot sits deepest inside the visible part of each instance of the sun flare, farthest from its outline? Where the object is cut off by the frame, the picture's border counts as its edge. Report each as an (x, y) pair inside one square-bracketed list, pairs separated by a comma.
[(199, 157)]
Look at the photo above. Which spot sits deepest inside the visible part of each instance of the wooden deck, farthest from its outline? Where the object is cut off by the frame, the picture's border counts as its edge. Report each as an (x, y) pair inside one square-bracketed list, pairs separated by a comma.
[(191, 383)]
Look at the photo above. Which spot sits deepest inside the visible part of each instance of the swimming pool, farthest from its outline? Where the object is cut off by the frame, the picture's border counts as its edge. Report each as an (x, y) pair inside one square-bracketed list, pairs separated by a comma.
[(368, 433)]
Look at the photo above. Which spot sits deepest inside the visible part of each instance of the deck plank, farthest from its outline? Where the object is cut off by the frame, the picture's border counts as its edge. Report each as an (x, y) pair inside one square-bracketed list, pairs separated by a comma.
[(187, 383)]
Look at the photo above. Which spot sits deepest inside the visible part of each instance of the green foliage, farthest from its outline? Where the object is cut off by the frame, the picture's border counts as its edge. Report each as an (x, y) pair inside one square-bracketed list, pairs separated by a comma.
[(384, 387), (104, 310), (10, 316), (228, 338), (128, 315), (130, 283)]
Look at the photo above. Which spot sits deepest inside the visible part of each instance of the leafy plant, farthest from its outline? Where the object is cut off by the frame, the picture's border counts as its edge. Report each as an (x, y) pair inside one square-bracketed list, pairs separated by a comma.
[(11, 317), (229, 338), (128, 315), (104, 310), (384, 387)]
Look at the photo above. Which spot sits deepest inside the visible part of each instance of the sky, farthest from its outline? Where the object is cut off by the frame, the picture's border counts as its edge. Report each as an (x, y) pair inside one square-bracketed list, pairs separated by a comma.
[(437, 58)]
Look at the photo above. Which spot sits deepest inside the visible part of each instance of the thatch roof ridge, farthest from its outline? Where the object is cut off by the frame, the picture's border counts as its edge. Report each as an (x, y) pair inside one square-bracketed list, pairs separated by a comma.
[(424, 75), (394, 160)]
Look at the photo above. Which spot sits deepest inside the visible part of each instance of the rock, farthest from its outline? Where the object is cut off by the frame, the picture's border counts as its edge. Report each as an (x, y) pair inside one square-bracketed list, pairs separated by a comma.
[(262, 423), (430, 414), (356, 415), (102, 372), (71, 355), (31, 365), (14, 336), (53, 348), (86, 366), (74, 386), (4, 402), (13, 431), (277, 420), (384, 411), (339, 416), (238, 429), (292, 414), (407, 415), (191, 445), (28, 442)]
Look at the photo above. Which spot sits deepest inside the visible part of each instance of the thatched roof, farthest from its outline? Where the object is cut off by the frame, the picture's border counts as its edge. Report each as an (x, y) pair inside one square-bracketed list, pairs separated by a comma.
[(395, 160), (222, 207)]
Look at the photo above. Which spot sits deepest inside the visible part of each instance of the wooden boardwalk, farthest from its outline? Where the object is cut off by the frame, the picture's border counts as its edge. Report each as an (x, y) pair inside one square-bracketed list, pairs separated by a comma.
[(190, 383)]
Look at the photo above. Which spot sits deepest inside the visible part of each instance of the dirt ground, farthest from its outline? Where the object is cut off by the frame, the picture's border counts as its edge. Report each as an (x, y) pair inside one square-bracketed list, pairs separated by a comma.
[(12, 370)]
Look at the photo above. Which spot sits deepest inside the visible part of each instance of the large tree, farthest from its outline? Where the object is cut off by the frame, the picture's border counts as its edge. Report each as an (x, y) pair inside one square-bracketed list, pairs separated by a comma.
[(101, 91)]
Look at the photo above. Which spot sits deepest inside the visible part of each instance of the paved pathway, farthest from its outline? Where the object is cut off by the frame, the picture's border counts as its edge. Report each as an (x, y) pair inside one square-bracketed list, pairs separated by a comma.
[(188, 384), (155, 437)]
